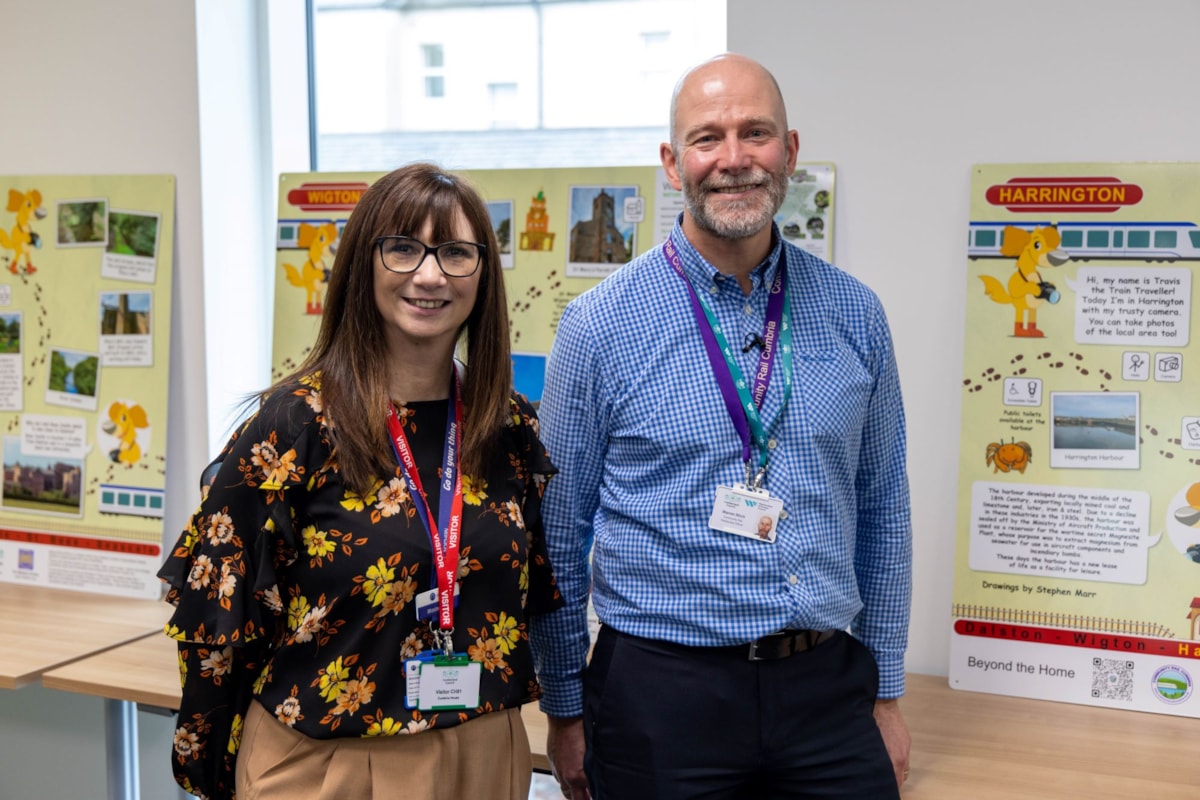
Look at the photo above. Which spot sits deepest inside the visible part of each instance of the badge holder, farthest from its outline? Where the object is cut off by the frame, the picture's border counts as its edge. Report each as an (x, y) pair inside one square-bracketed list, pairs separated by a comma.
[(747, 509), (441, 680)]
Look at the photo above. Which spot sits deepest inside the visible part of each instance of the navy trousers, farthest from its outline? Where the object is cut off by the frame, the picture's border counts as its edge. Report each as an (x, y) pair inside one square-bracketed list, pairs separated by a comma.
[(669, 722)]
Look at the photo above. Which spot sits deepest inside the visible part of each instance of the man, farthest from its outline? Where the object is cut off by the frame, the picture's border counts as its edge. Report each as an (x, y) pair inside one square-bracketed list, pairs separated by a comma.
[(723, 668)]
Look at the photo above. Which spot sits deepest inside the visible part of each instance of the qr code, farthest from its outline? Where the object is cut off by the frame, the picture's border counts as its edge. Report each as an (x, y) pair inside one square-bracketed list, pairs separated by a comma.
[(1112, 679)]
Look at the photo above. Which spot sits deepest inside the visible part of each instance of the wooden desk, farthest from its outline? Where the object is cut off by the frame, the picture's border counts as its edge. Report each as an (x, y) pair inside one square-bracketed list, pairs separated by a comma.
[(143, 671), (41, 629), (973, 746), (966, 745)]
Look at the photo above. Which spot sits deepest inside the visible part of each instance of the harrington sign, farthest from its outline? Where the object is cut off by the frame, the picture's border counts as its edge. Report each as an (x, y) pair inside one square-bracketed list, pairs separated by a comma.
[(1085, 195)]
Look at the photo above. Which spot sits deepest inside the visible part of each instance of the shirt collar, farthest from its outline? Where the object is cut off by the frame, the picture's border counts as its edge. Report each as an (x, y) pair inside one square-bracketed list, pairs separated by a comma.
[(702, 273)]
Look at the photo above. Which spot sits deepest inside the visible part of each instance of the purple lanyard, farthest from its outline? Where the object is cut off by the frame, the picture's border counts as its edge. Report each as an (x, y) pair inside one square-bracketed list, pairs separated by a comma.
[(742, 405)]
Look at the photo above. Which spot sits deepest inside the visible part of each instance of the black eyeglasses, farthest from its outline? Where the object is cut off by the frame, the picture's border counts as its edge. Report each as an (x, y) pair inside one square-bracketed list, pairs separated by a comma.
[(405, 254)]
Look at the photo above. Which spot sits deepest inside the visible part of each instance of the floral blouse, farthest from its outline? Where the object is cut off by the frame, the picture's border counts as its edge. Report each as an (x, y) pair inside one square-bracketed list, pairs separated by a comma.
[(295, 591)]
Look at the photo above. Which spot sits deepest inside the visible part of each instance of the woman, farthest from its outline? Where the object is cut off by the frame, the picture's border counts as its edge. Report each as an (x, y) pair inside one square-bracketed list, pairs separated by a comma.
[(318, 657)]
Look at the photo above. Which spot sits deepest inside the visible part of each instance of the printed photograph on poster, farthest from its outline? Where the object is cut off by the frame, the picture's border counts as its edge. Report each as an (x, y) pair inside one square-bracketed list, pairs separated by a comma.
[(82, 223), (72, 379), (601, 235), (806, 217), (1094, 430), (501, 213), (125, 333), (50, 485), (131, 252), (11, 364), (529, 375), (124, 432)]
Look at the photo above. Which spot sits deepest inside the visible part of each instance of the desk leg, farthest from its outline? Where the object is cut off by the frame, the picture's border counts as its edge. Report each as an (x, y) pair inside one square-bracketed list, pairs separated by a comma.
[(121, 742)]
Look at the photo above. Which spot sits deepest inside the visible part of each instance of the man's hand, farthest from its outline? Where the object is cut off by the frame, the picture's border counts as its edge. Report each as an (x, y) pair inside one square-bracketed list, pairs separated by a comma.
[(564, 748), (895, 736)]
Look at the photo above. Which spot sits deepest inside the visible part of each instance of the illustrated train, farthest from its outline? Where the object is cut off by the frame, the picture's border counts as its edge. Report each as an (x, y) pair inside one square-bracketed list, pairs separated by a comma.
[(1085, 241)]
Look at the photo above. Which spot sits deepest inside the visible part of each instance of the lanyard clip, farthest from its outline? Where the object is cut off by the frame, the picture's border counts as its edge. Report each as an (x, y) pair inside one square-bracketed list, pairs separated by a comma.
[(754, 479), (445, 639)]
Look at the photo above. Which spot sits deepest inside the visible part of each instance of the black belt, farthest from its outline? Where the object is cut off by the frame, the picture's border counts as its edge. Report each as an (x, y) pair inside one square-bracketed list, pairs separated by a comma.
[(773, 646), (783, 644)]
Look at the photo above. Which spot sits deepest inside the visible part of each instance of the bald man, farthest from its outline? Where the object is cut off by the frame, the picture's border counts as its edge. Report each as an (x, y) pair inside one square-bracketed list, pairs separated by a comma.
[(727, 665)]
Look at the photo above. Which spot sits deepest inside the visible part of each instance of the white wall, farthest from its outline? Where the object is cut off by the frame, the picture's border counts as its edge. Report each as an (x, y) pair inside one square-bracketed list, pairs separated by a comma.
[(904, 98), (62, 60)]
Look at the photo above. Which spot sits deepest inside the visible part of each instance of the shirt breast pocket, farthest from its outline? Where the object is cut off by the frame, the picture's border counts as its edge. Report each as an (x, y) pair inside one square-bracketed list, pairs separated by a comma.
[(836, 391)]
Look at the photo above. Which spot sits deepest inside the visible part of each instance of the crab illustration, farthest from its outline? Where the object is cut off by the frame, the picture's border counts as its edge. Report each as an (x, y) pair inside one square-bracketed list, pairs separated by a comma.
[(1005, 457)]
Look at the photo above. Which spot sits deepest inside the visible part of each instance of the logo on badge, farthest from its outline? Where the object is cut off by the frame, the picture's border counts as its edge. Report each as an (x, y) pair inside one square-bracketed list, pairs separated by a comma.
[(1172, 684)]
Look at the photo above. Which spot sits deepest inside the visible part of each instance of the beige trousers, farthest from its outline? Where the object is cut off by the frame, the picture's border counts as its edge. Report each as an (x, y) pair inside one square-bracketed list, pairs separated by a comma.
[(484, 759)]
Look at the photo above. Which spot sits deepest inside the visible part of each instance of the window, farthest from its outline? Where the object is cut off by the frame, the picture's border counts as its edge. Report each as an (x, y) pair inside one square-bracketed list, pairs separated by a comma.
[(1097, 239), (432, 54), (985, 238), (1072, 238), (1165, 239), (1139, 238), (515, 84), (503, 100)]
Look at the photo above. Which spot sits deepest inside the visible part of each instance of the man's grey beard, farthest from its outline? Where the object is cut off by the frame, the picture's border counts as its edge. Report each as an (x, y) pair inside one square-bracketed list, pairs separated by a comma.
[(736, 223)]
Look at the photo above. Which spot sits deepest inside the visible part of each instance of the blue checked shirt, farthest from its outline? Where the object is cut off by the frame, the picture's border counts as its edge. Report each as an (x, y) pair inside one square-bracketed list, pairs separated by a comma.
[(634, 421)]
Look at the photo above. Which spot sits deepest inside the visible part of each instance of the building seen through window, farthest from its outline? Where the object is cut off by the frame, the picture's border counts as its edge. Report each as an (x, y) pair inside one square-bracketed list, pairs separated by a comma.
[(479, 84)]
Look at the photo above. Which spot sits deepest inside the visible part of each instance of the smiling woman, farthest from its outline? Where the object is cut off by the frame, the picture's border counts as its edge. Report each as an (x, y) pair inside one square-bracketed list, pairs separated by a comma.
[(365, 563)]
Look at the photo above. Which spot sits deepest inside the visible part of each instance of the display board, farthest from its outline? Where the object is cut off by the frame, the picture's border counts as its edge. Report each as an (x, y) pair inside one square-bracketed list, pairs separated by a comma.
[(560, 231), (1077, 568), (85, 325)]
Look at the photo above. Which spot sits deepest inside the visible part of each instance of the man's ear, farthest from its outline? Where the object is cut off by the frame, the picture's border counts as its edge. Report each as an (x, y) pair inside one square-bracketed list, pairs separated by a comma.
[(793, 146), (666, 154)]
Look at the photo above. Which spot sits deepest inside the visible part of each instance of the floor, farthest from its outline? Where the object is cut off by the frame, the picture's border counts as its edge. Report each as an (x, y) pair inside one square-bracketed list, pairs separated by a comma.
[(544, 787)]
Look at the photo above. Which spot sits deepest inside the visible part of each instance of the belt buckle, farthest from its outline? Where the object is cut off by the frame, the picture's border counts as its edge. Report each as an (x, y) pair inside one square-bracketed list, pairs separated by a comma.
[(754, 656)]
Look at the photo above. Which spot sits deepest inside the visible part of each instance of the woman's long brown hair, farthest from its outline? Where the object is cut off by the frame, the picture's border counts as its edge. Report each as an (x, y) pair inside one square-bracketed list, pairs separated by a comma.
[(350, 350)]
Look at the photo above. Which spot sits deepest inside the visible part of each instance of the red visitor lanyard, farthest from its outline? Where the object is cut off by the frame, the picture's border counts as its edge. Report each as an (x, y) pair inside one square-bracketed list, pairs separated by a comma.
[(444, 537)]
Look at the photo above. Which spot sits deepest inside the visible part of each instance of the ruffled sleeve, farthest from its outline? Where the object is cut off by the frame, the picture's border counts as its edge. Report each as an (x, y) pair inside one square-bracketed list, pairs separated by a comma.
[(221, 578), (543, 590)]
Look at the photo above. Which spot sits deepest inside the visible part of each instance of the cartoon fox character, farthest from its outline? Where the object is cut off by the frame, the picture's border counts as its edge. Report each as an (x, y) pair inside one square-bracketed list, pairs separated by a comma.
[(314, 275), (1033, 250), (27, 205)]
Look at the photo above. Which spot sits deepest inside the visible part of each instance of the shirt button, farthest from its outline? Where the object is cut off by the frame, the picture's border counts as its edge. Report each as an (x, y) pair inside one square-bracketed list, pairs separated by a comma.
[(793, 580), (714, 290), (747, 309), (783, 513), (772, 444)]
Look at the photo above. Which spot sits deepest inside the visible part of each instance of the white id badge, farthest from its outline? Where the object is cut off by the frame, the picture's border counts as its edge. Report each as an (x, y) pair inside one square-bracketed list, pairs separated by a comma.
[(449, 686), (427, 602), (745, 512)]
